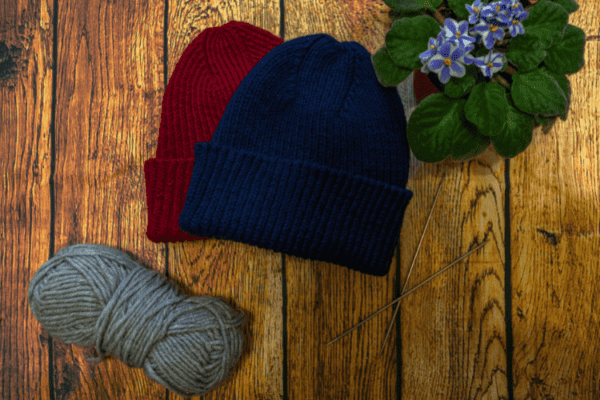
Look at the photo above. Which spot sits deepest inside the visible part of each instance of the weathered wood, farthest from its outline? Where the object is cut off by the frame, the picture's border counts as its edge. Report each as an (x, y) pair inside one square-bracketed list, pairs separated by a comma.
[(246, 277), (325, 299), (108, 95), (452, 334), (25, 110), (453, 329), (555, 209)]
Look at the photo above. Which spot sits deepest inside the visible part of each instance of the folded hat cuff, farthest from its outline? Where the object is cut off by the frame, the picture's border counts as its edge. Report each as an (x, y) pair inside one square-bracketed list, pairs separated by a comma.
[(167, 181), (298, 208)]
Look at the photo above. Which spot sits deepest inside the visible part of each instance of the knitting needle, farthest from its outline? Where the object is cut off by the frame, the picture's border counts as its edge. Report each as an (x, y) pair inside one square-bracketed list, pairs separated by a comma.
[(420, 241), (409, 292), (418, 246), (413, 263)]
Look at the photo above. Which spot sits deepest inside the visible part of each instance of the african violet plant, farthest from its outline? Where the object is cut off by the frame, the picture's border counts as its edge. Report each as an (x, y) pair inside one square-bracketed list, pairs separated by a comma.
[(495, 89)]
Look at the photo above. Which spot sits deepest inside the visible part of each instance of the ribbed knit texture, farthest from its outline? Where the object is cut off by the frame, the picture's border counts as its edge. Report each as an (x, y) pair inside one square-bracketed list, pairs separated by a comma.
[(310, 159), (205, 77)]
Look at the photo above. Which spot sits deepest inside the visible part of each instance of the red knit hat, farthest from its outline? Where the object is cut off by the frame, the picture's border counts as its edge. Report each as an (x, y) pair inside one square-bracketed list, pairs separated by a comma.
[(205, 77)]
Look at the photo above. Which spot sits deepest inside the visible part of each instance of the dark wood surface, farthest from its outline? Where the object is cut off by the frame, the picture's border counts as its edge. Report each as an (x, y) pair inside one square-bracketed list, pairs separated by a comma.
[(80, 96)]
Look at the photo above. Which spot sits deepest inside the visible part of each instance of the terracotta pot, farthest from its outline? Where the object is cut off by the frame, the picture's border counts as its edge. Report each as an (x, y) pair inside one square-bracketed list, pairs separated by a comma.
[(425, 84)]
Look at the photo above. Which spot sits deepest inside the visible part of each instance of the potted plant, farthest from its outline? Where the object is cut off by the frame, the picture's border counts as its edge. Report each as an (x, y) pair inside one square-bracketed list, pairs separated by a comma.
[(496, 70)]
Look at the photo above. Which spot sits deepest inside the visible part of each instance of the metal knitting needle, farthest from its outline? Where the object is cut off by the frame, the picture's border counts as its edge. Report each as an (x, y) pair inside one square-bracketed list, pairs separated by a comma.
[(416, 252), (409, 292), (413, 264)]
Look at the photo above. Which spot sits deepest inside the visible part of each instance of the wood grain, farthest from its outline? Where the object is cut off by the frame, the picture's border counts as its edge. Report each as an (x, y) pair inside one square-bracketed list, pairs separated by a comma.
[(326, 299), (453, 329), (246, 277), (453, 334), (555, 208), (108, 92), (453, 337), (452, 341), (26, 107)]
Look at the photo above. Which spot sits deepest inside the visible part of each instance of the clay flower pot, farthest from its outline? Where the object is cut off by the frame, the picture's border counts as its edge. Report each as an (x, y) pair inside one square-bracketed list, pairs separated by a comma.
[(425, 85)]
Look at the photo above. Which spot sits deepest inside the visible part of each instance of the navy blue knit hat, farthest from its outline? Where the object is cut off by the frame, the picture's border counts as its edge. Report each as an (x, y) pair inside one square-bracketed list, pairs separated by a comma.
[(310, 158)]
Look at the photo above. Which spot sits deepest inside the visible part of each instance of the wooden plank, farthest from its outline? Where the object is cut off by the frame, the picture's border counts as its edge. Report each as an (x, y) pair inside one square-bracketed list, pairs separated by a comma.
[(479, 337), (556, 243), (453, 328), (246, 277), (453, 334), (323, 299), (109, 92), (25, 115)]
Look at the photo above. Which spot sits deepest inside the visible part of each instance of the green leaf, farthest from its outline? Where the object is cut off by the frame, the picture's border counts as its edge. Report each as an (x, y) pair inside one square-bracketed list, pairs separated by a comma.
[(547, 21), (564, 85), (546, 122), (543, 120), (517, 134), (569, 5), (409, 37), (467, 143), (437, 129), (541, 92), (526, 52), (431, 125), (388, 73), (481, 51), (486, 108), (396, 15), (566, 57), (459, 87), (412, 5), (458, 7)]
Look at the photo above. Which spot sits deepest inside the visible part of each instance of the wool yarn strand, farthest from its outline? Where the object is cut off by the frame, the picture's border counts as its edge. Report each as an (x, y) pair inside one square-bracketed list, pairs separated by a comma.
[(90, 294)]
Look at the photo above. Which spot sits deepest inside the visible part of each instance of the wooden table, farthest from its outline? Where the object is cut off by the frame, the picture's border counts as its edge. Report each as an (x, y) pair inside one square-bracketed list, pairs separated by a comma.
[(80, 112)]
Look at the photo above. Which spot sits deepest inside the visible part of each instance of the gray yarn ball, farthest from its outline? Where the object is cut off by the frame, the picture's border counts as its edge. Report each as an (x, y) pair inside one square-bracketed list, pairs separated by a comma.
[(90, 294)]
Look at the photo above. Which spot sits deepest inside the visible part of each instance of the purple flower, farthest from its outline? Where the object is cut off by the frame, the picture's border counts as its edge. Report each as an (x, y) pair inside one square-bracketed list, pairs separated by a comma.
[(489, 33), (514, 6), (498, 13), (450, 61), (498, 18), (449, 52), (433, 49), (474, 11), (515, 27), (458, 32), (490, 64)]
